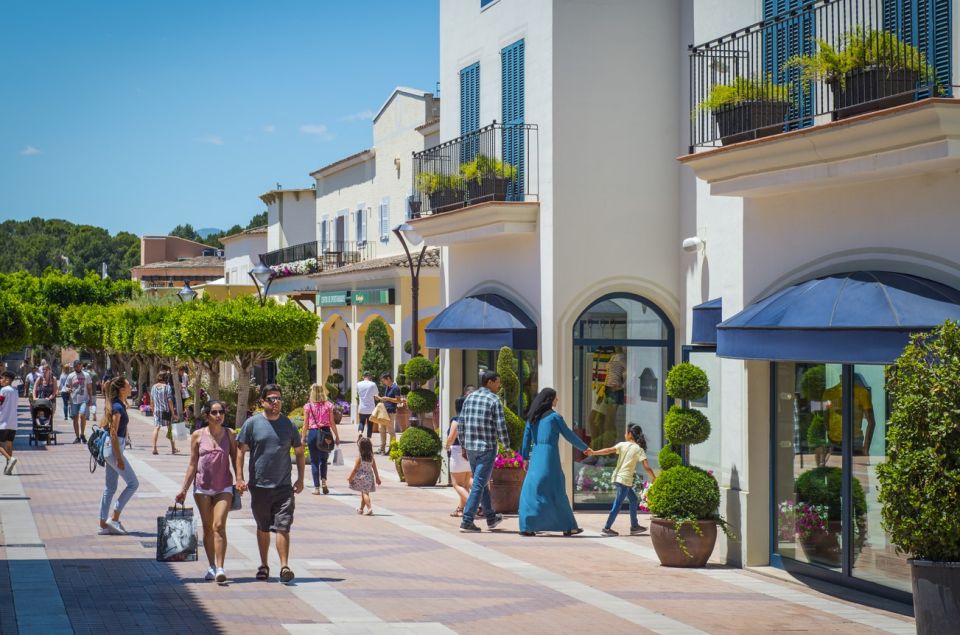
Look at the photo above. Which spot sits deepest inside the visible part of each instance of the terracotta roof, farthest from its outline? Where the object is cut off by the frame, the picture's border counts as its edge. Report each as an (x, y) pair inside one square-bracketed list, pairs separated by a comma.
[(430, 259), (198, 262), (246, 232)]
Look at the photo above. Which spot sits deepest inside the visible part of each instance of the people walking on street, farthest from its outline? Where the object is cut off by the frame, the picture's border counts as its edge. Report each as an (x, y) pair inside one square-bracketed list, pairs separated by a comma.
[(482, 424), (115, 466), (8, 419), (460, 474), (319, 434), (367, 393), (213, 455), (391, 399), (543, 499), (65, 392), (364, 478), (269, 437), (164, 410), (631, 451), (78, 382), (46, 386)]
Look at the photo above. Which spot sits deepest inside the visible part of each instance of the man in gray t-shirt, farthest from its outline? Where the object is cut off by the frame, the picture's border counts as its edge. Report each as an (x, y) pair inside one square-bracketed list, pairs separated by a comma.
[(268, 437)]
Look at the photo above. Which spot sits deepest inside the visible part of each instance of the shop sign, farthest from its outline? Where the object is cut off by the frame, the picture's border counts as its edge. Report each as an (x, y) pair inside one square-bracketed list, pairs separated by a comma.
[(373, 296), (333, 298)]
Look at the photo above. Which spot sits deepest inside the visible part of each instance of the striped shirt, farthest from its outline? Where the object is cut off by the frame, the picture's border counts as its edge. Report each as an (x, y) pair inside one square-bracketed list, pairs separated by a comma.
[(482, 422)]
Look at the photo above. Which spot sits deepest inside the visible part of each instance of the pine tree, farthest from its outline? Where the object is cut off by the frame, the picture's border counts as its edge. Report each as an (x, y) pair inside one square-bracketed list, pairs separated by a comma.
[(378, 351)]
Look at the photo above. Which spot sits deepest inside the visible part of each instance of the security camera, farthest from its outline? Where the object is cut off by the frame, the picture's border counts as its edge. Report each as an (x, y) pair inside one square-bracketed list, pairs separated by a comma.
[(694, 243)]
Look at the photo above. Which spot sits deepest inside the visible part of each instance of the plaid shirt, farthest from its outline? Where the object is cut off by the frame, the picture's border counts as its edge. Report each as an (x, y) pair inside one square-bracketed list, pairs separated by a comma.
[(482, 422)]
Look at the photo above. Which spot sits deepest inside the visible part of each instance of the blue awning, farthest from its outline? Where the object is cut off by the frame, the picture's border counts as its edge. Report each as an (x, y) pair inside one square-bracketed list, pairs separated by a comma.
[(482, 322), (706, 317), (862, 317)]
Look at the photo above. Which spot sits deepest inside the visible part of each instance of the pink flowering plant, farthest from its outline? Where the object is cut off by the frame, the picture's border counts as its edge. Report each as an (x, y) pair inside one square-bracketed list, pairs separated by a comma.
[(297, 268), (802, 520), (508, 460)]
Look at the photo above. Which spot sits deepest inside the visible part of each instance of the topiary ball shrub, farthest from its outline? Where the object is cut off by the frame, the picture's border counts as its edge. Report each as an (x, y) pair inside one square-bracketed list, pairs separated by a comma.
[(336, 364), (816, 432), (813, 382), (419, 442), (685, 426), (332, 391), (821, 486), (684, 493), (404, 390), (408, 347), (336, 378), (401, 379), (668, 458), (421, 400), (687, 382), (419, 370)]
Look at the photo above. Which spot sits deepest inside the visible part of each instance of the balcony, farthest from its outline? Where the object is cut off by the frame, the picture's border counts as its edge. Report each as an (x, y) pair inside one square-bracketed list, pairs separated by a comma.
[(482, 184), (313, 257), (826, 61)]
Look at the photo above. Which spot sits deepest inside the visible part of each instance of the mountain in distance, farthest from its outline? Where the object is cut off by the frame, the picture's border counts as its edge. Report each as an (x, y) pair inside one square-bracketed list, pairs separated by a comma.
[(206, 231)]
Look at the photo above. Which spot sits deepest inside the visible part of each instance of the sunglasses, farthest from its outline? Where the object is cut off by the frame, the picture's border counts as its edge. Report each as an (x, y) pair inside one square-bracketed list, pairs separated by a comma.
[(216, 413), (273, 399)]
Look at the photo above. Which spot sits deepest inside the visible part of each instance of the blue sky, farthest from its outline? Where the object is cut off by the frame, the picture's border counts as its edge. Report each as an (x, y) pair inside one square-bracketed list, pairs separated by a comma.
[(141, 115)]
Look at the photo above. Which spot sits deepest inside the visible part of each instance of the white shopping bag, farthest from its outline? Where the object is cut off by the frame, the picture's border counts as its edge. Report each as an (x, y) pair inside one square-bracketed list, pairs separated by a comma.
[(179, 431), (337, 456)]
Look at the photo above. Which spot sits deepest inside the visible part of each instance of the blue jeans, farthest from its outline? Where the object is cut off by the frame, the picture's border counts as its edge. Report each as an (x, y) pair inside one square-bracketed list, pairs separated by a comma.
[(318, 458), (481, 462), (65, 397), (624, 492), (112, 474)]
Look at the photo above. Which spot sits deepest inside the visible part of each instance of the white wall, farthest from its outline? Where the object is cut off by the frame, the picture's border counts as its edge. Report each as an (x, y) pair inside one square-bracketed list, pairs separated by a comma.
[(290, 218), (241, 255)]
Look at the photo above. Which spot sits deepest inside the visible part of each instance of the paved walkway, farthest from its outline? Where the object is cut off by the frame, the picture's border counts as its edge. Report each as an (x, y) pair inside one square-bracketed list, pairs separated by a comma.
[(405, 570)]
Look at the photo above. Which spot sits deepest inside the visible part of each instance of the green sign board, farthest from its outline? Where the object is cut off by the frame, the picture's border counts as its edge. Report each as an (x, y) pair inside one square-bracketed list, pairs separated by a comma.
[(333, 298), (372, 296)]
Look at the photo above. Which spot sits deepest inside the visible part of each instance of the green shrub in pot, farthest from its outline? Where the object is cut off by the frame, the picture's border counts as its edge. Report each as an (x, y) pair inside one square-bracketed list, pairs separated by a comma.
[(418, 442)]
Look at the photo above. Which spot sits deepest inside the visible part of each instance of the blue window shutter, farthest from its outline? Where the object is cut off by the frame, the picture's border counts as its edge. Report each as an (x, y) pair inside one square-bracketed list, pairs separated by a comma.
[(470, 99), (942, 45), (484, 3), (794, 35), (925, 24), (512, 112)]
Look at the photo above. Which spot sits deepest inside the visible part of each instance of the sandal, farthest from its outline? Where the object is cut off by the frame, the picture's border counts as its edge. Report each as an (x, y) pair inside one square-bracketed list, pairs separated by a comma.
[(263, 572), (360, 510), (286, 574), (457, 513), (370, 512), (573, 532)]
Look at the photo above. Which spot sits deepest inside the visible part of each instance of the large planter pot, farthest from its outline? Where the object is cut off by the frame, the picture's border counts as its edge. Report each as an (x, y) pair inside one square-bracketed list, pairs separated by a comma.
[(403, 418), (445, 200), (936, 596), (750, 120), (663, 535), (419, 471), (824, 547), (872, 88), (489, 188), (505, 486)]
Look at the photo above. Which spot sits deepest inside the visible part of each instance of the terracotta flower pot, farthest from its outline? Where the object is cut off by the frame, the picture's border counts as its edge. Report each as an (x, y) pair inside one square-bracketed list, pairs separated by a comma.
[(823, 547), (663, 535), (420, 471), (505, 486)]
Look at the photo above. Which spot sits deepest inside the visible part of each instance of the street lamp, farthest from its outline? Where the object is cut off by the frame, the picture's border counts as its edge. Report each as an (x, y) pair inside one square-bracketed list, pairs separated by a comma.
[(186, 294), (262, 276), (401, 230)]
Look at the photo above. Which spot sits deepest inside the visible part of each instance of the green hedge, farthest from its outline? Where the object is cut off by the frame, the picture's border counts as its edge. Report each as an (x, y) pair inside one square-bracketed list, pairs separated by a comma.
[(821, 486), (668, 458), (419, 442), (684, 493), (685, 426), (687, 382), (421, 400)]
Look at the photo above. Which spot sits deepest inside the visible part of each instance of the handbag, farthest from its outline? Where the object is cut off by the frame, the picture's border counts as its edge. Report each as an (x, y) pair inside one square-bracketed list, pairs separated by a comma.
[(176, 535), (325, 441), (237, 503), (337, 457), (380, 416)]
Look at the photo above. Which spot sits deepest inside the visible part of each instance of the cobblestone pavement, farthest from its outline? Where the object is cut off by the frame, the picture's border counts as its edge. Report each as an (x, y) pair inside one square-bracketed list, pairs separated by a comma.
[(405, 570)]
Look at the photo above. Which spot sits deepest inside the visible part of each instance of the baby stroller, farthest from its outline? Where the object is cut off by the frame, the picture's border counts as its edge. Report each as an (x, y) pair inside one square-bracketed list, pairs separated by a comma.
[(42, 415)]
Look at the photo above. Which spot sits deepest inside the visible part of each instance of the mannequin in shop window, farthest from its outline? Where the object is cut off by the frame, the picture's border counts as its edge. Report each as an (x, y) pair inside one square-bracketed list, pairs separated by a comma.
[(862, 409), (615, 383)]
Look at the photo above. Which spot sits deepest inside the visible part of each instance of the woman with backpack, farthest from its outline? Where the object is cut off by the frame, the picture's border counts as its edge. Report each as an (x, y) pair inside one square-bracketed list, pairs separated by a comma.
[(319, 434), (114, 465)]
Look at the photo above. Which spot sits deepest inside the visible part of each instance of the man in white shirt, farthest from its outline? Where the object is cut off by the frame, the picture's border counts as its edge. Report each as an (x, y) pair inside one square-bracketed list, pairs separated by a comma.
[(8, 419), (366, 392), (80, 387)]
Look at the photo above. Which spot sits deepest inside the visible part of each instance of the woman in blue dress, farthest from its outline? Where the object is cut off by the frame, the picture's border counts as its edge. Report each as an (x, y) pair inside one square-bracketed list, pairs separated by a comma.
[(543, 500)]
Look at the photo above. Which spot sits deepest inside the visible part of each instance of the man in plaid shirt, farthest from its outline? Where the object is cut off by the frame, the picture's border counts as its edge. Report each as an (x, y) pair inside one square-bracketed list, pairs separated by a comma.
[(481, 424)]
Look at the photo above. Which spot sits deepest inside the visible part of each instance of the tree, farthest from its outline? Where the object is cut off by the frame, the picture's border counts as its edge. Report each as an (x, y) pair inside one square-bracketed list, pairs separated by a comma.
[(293, 377), (38, 244), (258, 220), (13, 324), (377, 352)]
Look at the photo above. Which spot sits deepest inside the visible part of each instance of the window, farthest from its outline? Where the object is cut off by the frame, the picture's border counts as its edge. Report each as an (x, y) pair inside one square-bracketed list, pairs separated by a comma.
[(385, 219), (512, 113), (470, 99), (926, 25), (781, 41), (324, 232), (361, 221)]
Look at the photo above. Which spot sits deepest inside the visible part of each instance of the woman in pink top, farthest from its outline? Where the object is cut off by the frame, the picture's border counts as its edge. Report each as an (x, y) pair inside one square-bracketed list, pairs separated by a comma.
[(319, 434), (213, 453)]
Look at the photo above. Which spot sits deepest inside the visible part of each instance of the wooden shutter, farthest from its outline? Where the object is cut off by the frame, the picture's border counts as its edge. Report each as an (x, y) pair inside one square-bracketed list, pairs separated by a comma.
[(793, 35), (925, 24), (470, 99), (512, 112), (385, 219)]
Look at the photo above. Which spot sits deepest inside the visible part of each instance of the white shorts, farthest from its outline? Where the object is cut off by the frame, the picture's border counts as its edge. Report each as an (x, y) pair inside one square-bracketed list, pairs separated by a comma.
[(213, 492), (458, 463)]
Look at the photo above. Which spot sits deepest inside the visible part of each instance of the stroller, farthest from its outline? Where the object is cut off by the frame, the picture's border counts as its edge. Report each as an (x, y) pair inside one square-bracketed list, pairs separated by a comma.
[(41, 412)]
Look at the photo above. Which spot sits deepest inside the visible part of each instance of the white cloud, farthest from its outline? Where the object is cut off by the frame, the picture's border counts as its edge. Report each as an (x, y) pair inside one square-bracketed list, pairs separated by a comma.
[(317, 130), (29, 151), (212, 139), (270, 128), (363, 115)]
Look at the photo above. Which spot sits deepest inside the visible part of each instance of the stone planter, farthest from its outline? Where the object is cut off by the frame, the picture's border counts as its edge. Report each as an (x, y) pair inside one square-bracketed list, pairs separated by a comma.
[(872, 88), (420, 471), (663, 535), (403, 418), (936, 596), (505, 486), (750, 120)]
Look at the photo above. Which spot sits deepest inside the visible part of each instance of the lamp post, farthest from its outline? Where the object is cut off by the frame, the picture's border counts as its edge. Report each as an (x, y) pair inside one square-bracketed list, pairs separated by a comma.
[(186, 294), (262, 276), (401, 230)]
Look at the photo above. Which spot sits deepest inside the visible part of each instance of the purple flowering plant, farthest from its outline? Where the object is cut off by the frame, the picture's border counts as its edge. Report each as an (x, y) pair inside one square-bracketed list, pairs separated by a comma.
[(508, 460)]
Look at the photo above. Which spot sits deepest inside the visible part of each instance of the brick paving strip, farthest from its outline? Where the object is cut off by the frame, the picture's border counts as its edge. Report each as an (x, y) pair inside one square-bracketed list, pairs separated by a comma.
[(402, 571)]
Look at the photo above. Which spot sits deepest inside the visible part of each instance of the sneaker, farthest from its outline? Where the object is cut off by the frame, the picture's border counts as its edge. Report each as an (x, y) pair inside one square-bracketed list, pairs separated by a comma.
[(83, 438), (637, 529), (104, 531), (493, 524), (469, 528), (326, 490), (211, 574), (10, 464), (116, 527), (606, 531), (221, 575)]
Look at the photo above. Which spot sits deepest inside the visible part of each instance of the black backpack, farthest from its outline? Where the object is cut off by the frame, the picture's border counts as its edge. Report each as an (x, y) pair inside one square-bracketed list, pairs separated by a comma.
[(98, 437)]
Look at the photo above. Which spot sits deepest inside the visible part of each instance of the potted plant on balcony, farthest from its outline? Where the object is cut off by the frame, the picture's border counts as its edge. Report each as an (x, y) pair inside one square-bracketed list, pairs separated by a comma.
[(920, 478), (487, 178), (444, 191), (684, 499), (747, 108), (420, 448), (871, 70)]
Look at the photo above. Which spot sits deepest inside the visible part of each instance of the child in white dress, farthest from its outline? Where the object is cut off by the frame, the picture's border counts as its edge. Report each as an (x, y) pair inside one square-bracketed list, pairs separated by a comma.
[(364, 475)]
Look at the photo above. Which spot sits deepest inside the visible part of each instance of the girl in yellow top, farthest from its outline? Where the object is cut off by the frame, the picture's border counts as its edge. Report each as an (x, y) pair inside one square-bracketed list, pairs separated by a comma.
[(631, 451)]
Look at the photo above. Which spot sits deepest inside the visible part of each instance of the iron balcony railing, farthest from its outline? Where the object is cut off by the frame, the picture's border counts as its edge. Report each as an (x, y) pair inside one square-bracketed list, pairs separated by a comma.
[(498, 162), (316, 256), (825, 60)]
